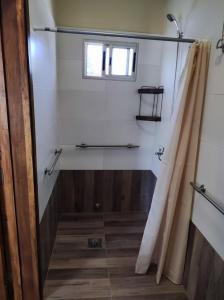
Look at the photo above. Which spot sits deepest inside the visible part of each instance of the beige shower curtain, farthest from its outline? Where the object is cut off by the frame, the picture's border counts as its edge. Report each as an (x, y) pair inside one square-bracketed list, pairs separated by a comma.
[(165, 236)]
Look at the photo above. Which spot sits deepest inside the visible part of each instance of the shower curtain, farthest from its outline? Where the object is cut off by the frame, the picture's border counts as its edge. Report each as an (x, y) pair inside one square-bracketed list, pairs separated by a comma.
[(166, 233)]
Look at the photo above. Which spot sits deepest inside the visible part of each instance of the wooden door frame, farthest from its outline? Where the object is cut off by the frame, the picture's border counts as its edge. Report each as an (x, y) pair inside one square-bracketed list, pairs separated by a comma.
[(21, 148), (3, 289), (7, 204)]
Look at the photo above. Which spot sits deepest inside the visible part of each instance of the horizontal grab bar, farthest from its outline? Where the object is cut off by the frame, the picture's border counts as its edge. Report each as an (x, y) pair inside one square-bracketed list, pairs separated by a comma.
[(128, 146), (49, 171), (202, 191)]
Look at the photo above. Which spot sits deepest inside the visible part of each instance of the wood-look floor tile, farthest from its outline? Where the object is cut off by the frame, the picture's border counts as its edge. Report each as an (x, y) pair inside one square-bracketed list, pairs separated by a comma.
[(129, 271), (133, 281), (121, 241), (142, 286), (180, 296), (78, 289), (61, 250), (81, 224), (72, 252), (132, 252), (80, 231), (83, 263), (79, 242), (147, 291), (124, 223), (101, 298), (119, 272), (123, 229), (71, 274), (121, 262), (82, 218), (125, 216), (77, 272)]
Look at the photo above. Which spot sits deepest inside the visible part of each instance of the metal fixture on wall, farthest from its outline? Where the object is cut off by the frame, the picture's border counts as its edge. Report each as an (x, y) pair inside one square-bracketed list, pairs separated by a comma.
[(157, 103), (49, 171), (220, 43), (172, 18), (202, 191), (85, 146), (160, 153), (180, 35), (114, 34)]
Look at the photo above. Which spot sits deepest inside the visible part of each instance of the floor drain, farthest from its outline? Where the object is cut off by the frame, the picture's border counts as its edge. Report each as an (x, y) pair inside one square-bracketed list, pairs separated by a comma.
[(95, 243)]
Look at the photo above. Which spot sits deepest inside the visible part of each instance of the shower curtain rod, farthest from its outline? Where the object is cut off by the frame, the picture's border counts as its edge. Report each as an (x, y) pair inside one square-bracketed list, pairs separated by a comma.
[(115, 34)]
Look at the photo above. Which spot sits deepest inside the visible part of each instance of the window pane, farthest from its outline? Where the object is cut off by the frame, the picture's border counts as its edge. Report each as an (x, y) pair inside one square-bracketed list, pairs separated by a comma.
[(119, 61), (131, 57), (94, 60), (107, 60)]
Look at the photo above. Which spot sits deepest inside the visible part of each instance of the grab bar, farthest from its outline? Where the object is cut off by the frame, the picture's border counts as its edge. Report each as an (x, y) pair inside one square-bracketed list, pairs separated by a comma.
[(128, 146), (49, 171), (202, 191)]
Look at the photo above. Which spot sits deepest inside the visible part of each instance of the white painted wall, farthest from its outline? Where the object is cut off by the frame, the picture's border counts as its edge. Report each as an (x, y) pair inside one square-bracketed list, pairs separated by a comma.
[(117, 15), (103, 111), (44, 73), (203, 19)]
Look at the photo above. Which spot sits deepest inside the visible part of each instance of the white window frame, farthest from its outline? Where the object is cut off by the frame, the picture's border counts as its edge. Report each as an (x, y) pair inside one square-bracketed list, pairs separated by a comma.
[(111, 45)]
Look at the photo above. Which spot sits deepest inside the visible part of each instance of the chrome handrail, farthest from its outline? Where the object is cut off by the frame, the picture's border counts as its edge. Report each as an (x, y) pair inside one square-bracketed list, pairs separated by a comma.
[(49, 171), (128, 146), (202, 191)]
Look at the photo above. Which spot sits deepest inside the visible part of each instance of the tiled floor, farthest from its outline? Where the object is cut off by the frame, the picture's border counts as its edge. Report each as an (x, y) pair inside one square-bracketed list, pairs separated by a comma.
[(78, 272)]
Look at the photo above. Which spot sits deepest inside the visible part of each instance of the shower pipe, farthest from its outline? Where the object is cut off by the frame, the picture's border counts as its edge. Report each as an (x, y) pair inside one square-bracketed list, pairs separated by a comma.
[(49, 171), (175, 77), (115, 34), (202, 191), (85, 146)]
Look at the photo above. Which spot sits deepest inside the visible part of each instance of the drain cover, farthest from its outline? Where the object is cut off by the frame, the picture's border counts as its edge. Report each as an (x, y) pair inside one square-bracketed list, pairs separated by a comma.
[(95, 243)]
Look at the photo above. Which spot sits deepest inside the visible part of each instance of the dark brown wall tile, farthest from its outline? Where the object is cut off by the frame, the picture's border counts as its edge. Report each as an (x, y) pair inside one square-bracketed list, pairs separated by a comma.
[(47, 231), (204, 269), (112, 191)]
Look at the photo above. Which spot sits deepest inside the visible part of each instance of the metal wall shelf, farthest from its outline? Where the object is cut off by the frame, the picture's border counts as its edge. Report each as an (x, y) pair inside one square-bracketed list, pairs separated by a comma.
[(157, 103), (148, 118), (151, 90)]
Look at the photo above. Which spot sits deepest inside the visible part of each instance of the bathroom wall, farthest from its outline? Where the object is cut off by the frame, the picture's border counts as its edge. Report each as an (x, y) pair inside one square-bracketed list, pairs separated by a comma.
[(103, 111), (44, 74), (203, 19), (167, 79), (121, 15)]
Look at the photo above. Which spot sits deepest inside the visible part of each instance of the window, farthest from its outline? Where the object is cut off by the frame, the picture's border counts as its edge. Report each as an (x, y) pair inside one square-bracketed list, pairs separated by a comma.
[(108, 60)]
